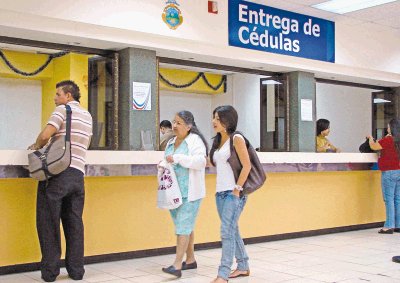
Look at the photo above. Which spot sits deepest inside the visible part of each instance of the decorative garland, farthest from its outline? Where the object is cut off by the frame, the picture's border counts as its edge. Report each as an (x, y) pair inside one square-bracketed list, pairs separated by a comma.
[(60, 54), (41, 68), (199, 75)]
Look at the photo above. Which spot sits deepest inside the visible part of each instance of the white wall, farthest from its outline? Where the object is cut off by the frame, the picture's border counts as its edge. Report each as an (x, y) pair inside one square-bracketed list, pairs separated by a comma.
[(199, 104), (368, 46), (350, 112), (246, 100), (20, 112), (243, 93), (224, 98)]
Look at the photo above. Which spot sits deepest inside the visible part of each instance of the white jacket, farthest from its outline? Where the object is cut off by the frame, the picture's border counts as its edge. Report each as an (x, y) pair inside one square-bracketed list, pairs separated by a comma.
[(196, 163)]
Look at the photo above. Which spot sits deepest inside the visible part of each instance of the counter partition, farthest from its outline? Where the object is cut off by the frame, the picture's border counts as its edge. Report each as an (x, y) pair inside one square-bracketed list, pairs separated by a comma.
[(133, 163), (305, 194)]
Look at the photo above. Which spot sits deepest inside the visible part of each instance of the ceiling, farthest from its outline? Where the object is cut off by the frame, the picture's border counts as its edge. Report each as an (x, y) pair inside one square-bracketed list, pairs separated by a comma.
[(382, 17), (386, 16)]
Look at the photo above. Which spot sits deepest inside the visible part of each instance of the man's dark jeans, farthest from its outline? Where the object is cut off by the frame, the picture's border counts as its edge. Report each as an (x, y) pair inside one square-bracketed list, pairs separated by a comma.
[(63, 198)]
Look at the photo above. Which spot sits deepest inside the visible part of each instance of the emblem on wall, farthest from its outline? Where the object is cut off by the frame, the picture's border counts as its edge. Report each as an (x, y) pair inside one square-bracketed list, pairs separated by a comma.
[(171, 15)]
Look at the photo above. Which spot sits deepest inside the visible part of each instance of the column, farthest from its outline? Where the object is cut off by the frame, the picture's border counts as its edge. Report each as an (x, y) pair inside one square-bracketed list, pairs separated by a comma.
[(136, 65), (301, 133)]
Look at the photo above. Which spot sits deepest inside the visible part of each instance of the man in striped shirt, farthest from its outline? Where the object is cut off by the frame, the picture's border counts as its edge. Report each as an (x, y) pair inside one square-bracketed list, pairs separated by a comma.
[(63, 197)]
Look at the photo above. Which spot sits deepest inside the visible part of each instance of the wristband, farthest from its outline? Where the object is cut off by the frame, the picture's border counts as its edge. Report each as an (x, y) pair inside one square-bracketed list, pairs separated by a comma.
[(238, 187)]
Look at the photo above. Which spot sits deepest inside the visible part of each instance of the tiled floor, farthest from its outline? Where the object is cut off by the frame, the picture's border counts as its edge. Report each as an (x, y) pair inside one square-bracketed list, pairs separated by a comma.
[(360, 256)]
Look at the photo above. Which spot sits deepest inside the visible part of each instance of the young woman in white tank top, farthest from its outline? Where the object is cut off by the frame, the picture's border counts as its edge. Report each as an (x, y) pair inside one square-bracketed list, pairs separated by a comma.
[(230, 201)]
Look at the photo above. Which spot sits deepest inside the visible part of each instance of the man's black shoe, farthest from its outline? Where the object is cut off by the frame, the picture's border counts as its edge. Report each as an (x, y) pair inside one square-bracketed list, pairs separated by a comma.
[(48, 279), (396, 258), (75, 277)]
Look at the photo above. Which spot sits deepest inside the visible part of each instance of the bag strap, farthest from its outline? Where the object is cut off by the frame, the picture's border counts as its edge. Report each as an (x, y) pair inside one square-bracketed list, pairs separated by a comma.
[(68, 126), (231, 140)]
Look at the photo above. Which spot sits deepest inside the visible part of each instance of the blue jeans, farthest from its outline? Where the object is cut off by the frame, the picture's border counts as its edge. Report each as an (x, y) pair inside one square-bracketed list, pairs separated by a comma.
[(229, 209), (391, 196)]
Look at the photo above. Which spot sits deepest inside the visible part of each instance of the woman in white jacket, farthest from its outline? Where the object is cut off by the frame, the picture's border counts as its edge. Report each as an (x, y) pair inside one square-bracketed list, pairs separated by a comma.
[(187, 152)]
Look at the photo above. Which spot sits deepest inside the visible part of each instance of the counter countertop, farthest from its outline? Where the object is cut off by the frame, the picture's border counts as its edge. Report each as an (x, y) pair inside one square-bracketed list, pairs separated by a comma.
[(19, 157)]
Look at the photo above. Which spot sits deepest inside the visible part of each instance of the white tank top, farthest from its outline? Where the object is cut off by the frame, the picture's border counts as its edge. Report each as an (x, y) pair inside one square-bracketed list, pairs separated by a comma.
[(225, 179)]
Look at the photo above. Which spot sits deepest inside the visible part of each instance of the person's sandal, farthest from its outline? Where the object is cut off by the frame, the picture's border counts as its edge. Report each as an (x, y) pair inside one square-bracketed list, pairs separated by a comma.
[(219, 278), (186, 266), (387, 231), (173, 271), (245, 274)]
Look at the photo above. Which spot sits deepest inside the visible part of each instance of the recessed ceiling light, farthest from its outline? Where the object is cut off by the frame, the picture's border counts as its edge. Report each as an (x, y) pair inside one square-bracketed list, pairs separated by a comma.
[(271, 82), (381, 100), (346, 6), (73, 43)]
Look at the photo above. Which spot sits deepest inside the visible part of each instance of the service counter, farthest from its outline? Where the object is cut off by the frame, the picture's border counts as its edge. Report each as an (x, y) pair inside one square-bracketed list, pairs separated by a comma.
[(305, 194)]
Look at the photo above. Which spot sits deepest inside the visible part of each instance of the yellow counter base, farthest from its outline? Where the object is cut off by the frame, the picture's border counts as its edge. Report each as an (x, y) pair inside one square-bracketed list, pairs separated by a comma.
[(121, 215)]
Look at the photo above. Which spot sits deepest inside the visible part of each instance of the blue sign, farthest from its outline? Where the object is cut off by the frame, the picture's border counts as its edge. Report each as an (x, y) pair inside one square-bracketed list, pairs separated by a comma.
[(269, 29)]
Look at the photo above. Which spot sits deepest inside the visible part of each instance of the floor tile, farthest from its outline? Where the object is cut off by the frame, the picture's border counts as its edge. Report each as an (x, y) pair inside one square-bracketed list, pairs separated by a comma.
[(356, 256)]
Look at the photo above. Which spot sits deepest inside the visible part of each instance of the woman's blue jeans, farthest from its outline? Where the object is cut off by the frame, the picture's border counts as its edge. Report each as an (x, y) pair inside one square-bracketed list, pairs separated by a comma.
[(391, 196), (229, 209)]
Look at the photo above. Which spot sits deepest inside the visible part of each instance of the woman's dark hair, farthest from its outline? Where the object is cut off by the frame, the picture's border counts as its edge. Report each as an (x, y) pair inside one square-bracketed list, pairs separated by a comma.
[(322, 125), (394, 125), (187, 116), (229, 119), (166, 124)]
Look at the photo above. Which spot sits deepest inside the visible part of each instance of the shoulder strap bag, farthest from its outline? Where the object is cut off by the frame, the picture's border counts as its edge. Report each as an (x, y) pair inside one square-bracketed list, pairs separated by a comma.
[(256, 176), (53, 158)]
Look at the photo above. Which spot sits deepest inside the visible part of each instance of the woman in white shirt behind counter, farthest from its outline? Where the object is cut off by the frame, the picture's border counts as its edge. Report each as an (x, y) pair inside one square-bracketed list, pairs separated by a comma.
[(229, 197)]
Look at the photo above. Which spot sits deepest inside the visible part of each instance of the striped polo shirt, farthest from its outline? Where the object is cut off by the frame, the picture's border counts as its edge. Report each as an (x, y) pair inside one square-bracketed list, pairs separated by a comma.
[(81, 131)]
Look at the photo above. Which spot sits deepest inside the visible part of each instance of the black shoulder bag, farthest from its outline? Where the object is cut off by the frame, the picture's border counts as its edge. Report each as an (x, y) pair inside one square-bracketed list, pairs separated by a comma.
[(256, 176), (53, 158)]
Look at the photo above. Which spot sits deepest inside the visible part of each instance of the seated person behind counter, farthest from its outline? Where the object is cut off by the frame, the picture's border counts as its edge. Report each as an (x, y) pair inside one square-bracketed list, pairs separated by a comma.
[(167, 133), (323, 144)]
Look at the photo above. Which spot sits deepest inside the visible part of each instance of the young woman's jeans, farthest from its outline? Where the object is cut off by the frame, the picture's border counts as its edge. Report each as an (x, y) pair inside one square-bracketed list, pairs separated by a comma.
[(229, 209), (391, 196)]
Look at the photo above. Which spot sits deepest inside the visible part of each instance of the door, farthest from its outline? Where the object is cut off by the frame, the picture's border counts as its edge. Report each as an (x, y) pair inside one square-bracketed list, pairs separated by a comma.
[(383, 110), (274, 114)]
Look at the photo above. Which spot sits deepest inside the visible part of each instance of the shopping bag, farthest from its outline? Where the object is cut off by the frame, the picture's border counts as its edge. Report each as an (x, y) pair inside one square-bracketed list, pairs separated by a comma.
[(169, 194)]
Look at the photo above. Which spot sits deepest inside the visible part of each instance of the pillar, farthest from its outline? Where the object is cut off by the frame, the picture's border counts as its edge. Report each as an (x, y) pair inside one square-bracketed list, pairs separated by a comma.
[(136, 65), (301, 133)]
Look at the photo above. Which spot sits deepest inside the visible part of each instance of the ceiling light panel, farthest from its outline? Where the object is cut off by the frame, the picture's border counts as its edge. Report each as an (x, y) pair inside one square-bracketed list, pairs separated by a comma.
[(346, 6)]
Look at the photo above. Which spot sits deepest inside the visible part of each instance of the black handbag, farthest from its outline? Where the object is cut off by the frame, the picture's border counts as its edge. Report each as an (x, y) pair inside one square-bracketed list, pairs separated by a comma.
[(256, 176), (365, 148), (53, 158)]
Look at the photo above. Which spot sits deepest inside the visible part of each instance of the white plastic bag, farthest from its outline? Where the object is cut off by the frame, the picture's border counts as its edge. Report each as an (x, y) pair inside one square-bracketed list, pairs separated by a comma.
[(169, 194)]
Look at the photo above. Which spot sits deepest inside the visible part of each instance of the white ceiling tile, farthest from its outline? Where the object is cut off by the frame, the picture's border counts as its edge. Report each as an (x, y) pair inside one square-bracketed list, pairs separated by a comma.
[(345, 20), (306, 2), (383, 16), (374, 27), (317, 13), (284, 5), (378, 12), (391, 22)]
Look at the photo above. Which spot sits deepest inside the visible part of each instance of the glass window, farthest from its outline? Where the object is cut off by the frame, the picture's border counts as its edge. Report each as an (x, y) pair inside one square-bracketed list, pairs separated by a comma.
[(101, 102)]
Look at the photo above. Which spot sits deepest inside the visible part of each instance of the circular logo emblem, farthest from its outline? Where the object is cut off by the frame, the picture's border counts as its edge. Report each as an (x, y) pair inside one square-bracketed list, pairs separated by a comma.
[(172, 16)]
